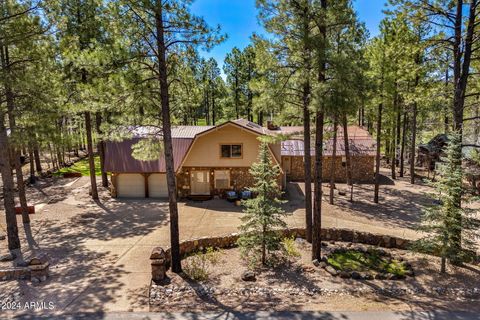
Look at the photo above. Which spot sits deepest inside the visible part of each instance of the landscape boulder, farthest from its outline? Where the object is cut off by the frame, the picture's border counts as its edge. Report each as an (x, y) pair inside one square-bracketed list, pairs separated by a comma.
[(7, 257), (40, 258), (331, 270), (249, 276)]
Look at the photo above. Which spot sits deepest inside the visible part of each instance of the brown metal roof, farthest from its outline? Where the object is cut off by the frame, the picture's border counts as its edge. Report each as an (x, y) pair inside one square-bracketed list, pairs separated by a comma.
[(118, 157), (360, 143)]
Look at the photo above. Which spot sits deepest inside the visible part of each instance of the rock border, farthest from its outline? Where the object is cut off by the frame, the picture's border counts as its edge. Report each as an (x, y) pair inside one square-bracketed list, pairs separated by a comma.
[(230, 240)]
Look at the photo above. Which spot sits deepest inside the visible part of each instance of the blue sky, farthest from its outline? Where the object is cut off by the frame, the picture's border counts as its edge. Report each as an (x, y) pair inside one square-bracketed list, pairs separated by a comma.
[(238, 19)]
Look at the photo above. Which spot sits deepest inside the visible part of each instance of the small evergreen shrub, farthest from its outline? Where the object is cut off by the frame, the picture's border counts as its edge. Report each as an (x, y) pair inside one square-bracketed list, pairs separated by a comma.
[(197, 265)]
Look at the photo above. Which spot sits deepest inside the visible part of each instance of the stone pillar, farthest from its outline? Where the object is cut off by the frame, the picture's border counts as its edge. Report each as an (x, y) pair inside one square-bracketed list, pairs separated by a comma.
[(159, 264), (38, 266)]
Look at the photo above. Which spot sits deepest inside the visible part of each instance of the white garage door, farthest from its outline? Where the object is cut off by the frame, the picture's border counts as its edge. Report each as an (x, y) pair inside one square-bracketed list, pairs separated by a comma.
[(130, 185), (157, 185)]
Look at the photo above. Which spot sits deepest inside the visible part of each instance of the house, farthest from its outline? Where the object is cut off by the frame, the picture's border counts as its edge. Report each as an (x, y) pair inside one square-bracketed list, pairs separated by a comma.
[(209, 160), (362, 152)]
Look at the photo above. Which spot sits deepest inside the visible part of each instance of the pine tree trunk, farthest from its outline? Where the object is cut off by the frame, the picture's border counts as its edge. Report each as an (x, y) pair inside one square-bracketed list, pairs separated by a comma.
[(319, 123), (32, 164), (15, 150), (413, 146), (334, 158), (377, 158), (402, 150), (347, 156), (38, 163), (317, 206), (260, 118), (101, 149), (306, 92), (167, 140), (21, 188), (91, 156), (393, 155), (8, 187), (264, 246), (213, 108), (307, 162)]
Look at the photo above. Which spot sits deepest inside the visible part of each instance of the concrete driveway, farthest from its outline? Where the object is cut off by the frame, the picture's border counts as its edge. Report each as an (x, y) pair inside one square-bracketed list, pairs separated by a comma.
[(99, 251)]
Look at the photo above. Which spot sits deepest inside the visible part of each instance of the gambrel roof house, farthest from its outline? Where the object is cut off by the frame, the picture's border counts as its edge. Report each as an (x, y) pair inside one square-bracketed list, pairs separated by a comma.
[(210, 160)]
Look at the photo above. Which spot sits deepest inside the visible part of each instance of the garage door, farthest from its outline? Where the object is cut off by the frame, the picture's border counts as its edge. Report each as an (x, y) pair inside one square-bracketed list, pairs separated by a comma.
[(157, 185), (130, 185)]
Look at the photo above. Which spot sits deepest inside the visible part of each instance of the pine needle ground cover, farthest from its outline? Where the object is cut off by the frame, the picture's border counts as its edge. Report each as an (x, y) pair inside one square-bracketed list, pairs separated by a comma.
[(81, 167)]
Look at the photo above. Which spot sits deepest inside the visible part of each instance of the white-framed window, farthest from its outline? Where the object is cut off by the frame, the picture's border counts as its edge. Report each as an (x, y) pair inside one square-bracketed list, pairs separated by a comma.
[(222, 179)]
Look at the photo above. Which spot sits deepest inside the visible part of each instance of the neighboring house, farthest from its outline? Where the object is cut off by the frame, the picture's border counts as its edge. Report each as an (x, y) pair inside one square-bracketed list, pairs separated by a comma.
[(209, 160)]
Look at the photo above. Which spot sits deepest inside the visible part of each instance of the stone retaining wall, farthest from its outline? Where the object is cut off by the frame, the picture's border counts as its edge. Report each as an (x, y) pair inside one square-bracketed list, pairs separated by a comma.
[(36, 270), (328, 234)]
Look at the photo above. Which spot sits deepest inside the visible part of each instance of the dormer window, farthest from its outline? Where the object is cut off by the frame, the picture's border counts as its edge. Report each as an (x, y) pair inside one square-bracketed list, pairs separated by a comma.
[(234, 151)]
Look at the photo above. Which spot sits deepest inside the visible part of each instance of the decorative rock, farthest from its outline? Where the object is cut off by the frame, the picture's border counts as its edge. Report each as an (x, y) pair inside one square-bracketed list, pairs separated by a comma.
[(324, 244), (35, 280), (299, 240), (367, 276), (331, 270), (357, 276), (249, 276), (322, 264), (344, 274), (38, 259), (380, 276), (22, 264), (316, 263), (7, 257), (410, 273)]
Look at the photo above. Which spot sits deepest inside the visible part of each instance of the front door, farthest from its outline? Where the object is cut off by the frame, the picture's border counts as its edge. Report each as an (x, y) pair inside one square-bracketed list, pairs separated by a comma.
[(200, 182)]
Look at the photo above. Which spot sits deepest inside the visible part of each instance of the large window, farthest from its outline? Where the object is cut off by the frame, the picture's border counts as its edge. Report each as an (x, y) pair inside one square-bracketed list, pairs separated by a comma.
[(222, 179), (231, 151)]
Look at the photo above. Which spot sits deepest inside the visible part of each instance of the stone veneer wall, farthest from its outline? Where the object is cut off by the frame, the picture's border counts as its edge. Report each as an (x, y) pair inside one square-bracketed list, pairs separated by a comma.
[(362, 169), (327, 234), (240, 178)]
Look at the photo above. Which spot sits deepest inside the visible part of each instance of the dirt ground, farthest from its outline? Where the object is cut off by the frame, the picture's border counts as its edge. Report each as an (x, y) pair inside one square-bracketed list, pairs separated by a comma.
[(299, 286), (99, 250)]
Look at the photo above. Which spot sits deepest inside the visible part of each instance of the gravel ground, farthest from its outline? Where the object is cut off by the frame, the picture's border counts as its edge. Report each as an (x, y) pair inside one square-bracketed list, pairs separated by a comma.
[(301, 286)]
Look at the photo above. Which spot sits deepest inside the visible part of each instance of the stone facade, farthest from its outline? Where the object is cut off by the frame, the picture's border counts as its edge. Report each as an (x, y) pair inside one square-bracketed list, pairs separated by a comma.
[(240, 178), (362, 168)]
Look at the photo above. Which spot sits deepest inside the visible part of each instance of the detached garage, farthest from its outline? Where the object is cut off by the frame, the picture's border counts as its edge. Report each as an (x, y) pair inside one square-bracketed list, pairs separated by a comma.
[(130, 185)]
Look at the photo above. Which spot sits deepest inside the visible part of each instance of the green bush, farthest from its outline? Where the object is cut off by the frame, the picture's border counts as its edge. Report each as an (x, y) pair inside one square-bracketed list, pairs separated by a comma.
[(290, 248), (197, 265)]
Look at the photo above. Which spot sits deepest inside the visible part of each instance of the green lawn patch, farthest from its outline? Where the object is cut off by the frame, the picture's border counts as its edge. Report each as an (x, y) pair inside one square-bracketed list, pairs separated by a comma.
[(371, 260), (81, 167)]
